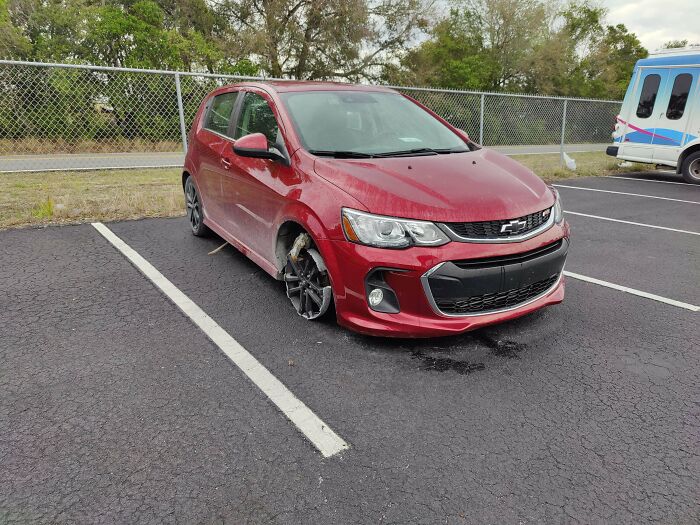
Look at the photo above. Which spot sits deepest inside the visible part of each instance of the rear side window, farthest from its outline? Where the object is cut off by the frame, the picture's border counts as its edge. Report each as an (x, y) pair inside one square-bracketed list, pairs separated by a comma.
[(679, 96), (219, 113), (648, 96)]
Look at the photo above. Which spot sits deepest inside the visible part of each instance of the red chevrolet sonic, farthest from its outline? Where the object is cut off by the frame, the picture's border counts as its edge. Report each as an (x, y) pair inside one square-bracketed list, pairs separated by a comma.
[(361, 199)]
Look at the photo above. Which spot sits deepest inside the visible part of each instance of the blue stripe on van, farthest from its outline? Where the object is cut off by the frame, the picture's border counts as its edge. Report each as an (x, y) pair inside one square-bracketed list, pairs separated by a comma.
[(661, 136)]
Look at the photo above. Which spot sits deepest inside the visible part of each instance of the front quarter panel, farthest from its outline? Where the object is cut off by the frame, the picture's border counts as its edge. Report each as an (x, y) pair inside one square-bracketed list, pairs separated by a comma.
[(315, 205)]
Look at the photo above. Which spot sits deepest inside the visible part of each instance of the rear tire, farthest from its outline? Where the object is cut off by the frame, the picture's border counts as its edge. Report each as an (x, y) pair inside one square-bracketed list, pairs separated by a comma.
[(195, 210), (691, 168)]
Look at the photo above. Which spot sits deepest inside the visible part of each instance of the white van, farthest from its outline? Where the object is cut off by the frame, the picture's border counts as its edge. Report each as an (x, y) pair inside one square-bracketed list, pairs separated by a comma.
[(660, 118)]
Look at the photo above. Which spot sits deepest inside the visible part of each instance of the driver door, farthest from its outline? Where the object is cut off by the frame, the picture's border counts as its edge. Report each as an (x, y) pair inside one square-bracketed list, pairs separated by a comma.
[(255, 189)]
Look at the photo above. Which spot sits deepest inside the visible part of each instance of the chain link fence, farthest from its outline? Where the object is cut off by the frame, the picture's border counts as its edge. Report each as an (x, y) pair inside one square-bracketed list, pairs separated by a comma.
[(65, 117)]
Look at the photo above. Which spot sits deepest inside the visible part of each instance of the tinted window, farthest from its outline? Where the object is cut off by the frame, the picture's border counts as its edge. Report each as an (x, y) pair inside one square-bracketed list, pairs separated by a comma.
[(648, 96), (256, 116), (679, 96), (366, 122), (220, 111)]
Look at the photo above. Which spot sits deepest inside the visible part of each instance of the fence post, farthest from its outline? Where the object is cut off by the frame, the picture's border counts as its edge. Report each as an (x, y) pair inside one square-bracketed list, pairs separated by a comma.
[(181, 111), (563, 131), (481, 121)]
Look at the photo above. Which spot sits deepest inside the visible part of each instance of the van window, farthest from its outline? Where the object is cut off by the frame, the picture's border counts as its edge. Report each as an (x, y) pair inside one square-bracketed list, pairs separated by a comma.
[(679, 96), (220, 111), (648, 96)]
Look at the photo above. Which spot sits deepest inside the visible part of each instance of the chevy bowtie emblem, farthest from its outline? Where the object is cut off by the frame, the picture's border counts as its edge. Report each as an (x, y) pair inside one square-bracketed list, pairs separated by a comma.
[(514, 226)]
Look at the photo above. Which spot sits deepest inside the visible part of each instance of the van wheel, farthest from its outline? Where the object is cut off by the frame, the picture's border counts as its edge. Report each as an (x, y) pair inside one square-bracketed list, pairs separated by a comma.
[(194, 209), (691, 168)]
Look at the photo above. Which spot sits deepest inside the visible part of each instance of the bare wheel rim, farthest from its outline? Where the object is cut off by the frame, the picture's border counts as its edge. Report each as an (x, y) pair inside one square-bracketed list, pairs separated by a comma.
[(694, 169), (308, 286), (194, 208)]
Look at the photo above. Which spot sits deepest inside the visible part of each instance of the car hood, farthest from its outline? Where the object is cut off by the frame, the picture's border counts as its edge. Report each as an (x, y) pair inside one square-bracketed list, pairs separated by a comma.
[(475, 186)]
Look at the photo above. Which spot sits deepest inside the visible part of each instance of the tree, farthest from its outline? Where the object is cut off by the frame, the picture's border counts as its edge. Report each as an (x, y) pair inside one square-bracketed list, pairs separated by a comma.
[(12, 42), (182, 34), (533, 46), (320, 39), (675, 44), (584, 57), (480, 45)]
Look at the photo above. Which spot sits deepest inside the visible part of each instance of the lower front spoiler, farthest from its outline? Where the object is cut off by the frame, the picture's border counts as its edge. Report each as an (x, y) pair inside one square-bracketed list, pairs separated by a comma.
[(413, 326)]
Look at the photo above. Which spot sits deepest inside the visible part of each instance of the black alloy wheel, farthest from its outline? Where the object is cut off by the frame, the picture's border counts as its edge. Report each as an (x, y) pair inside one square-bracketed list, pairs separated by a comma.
[(194, 209), (308, 284)]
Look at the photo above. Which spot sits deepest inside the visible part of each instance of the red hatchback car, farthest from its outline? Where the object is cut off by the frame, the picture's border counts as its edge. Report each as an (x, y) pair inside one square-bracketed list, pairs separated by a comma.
[(361, 198)]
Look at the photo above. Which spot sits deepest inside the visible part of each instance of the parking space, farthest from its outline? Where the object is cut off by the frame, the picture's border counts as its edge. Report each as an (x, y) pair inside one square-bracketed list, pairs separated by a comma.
[(117, 404), (112, 405), (651, 211), (641, 185)]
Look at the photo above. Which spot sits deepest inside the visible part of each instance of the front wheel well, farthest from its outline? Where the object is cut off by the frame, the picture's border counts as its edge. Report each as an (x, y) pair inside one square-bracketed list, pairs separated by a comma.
[(286, 235), (185, 176), (684, 155)]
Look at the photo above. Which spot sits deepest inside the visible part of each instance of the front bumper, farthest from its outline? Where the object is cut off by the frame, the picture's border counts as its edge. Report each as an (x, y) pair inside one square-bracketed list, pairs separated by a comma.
[(408, 273)]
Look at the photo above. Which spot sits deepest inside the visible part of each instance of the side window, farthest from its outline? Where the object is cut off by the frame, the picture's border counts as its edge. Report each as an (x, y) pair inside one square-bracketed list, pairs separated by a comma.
[(679, 96), (219, 113), (648, 96), (256, 116)]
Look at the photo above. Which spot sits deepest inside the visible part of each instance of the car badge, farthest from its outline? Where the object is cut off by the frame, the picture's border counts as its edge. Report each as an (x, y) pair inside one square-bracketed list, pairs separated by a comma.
[(514, 226)]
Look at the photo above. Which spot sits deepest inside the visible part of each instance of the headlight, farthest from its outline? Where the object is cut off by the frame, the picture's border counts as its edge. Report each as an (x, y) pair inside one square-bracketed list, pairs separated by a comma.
[(389, 232), (558, 210)]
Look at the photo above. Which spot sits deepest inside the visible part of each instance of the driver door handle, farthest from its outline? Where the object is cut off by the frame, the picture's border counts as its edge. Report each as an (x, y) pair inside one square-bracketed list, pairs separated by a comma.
[(226, 163)]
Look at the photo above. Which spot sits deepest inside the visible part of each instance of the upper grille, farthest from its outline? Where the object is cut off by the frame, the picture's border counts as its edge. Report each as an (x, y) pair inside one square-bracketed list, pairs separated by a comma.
[(496, 301), (493, 229)]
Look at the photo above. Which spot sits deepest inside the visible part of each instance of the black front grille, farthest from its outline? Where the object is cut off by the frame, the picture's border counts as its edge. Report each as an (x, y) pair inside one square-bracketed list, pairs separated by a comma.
[(509, 259), (495, 301), (492, 229)]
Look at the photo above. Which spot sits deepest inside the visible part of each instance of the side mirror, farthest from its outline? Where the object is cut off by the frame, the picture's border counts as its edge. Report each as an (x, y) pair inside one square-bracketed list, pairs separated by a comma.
[(255, 146)]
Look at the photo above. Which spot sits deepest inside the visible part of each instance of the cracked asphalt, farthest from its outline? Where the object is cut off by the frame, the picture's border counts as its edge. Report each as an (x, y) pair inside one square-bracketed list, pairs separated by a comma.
[(115, 408)]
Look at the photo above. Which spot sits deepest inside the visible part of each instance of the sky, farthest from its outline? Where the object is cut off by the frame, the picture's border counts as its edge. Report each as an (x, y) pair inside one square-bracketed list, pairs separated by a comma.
[(657, 21)]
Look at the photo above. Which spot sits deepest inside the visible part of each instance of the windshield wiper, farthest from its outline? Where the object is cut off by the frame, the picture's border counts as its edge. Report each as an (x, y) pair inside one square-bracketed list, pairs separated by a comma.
[(419, 151), (341, 154)]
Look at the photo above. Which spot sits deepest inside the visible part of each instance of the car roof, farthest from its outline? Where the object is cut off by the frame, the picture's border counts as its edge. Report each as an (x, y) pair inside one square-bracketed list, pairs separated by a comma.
[(283, 86)]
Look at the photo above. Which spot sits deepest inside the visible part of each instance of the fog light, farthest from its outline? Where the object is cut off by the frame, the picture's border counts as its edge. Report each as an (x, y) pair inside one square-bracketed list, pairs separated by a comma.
[(375, 297)]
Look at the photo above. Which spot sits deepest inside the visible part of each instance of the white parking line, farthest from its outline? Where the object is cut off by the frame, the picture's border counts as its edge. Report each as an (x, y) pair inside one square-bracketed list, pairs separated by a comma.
[(652, 180), (569, 212), (633, 291), (315, 430), (625, 193)]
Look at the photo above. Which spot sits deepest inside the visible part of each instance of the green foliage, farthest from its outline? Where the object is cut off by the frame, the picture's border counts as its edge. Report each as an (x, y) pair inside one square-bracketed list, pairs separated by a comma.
[(675, 44), (539, 46), (534, 46), (44, 209)]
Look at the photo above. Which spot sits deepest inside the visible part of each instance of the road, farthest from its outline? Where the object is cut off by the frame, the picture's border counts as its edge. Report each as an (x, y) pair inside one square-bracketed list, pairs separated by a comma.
[(115, 407), (64, 162)]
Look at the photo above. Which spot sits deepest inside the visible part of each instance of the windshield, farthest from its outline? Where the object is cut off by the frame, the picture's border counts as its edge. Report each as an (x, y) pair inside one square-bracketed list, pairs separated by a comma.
[(352, 123)]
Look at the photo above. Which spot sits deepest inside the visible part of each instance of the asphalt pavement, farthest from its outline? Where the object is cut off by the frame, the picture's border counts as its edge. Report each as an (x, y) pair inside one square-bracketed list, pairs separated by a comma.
[(92, 161), (114, 407)]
